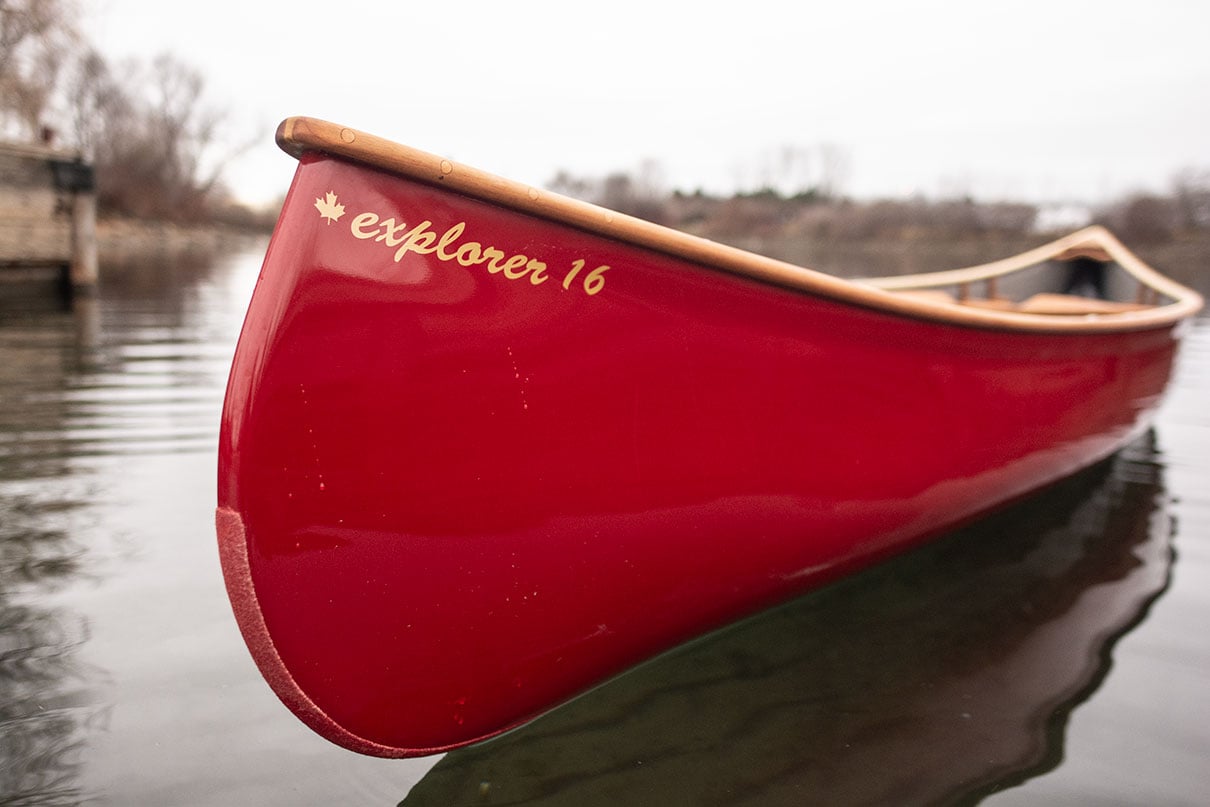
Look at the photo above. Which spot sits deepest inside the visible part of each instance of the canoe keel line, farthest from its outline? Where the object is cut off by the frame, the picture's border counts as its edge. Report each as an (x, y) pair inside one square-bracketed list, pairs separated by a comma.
[(484, 447)]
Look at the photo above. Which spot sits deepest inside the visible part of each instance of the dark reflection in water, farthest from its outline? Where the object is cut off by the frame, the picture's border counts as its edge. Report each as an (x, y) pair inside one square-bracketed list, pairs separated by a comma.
[(46, 691), (936, 678)]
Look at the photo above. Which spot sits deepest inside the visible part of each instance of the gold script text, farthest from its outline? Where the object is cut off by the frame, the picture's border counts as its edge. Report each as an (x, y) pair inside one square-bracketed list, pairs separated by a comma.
[(448, 246)]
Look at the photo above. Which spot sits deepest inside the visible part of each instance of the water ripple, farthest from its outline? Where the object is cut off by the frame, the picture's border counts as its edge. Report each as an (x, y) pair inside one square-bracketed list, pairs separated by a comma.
[(118, 376)]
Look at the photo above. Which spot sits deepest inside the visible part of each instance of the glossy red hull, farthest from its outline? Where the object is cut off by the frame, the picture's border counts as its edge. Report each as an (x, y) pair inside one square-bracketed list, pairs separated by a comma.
[(458, 486)]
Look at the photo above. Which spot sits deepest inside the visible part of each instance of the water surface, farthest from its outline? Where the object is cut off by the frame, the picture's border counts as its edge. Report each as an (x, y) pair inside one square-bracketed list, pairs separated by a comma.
[(1055, 653)]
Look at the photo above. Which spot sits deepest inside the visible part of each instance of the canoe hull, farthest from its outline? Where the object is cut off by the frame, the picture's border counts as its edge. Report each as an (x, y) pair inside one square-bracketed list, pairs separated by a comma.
[(466, 473)]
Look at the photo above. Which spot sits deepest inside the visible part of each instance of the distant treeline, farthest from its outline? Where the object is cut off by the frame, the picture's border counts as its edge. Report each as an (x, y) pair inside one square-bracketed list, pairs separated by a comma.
[(821, 213), (147, 128)]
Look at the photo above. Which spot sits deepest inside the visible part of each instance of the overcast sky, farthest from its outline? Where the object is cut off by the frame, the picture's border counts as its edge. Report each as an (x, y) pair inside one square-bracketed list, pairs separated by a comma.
[(1054, 100)]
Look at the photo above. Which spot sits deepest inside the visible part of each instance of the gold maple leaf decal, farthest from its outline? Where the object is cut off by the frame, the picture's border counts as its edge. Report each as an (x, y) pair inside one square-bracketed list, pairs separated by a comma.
[(328, 207)]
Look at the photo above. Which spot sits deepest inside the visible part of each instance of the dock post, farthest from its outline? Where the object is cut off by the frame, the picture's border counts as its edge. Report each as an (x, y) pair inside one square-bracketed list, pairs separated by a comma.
[(79, 179), (83, 272)]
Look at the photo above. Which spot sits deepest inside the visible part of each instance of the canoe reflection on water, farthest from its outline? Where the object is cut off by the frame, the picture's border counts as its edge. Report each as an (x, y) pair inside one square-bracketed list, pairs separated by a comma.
[(944, 675)]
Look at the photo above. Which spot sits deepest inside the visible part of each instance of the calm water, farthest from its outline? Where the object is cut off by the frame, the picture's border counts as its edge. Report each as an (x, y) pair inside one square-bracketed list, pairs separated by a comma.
[(1054, 654)]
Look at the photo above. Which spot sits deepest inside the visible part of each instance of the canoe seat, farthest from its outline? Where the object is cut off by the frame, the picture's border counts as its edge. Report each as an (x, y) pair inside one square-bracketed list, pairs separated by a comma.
[(994, 303), (1071, 304), (927, 295)]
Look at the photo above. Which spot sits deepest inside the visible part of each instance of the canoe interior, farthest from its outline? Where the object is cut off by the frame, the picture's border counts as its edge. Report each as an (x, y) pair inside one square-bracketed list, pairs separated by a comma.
[(1085, 282)]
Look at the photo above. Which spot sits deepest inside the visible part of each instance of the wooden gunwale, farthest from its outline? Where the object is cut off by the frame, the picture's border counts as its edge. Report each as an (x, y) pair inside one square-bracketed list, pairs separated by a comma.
[(298, 135)]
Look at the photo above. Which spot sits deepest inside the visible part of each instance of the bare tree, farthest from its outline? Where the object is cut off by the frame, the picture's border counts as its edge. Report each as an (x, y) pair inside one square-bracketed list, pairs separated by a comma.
[(834, 168), (812, 173), (153, 141), (641, 194), (37, 38), (1191, 193), (566, 183), (96, 102), (148, 128)]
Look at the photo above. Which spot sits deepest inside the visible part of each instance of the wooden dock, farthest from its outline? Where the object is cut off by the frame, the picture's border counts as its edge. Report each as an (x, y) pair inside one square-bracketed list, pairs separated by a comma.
[(47, 216)]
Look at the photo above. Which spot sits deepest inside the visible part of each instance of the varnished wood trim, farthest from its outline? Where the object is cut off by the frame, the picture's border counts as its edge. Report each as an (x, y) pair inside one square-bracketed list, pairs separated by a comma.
[(298, 135)]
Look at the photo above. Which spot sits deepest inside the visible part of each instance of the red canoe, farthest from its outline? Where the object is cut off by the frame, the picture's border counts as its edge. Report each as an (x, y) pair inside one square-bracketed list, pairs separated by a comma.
[(484, 447)]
